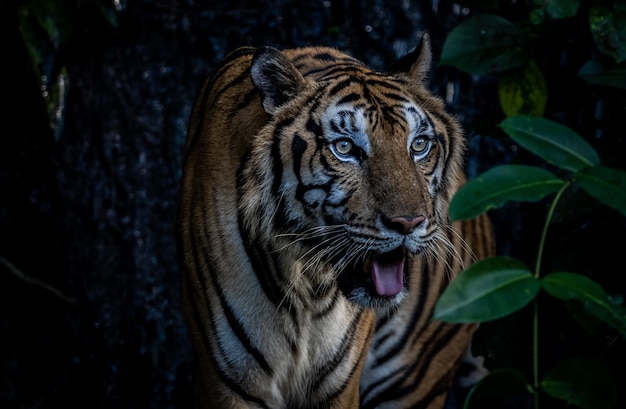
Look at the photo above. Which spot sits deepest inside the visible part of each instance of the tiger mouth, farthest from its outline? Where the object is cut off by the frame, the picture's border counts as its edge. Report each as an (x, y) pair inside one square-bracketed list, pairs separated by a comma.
[(380, 274)]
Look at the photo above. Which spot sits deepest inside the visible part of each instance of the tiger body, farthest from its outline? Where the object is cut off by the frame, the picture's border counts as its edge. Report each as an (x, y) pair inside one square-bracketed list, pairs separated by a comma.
[(314, 237)]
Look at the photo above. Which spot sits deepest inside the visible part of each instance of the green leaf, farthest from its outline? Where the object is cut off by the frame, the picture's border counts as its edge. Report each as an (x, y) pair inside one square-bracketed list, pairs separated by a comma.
[(485, 43), (608, 27), (498, 383), (567, 286), (523, 90), (555, 143), (583, 382), (596, 302), (562, 8), (601, 72), (590, 324), (489, 289), (55, 19), (613, 314), (499, 185), (537, 12), (605, 184)]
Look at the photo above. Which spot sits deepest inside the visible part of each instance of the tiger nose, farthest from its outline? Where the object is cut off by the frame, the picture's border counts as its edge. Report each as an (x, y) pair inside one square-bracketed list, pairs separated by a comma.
[(402, 224)]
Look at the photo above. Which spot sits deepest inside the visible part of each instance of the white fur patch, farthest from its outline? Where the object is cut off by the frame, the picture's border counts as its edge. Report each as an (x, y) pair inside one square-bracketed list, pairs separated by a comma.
[(346, 121)]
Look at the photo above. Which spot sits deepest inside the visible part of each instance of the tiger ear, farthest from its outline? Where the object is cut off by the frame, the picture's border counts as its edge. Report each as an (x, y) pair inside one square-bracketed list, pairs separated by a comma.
[(418, 62), (276, 78)]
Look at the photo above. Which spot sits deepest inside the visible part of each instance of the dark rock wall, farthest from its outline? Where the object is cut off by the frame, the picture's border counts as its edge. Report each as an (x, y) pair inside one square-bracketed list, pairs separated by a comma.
[(89, 279)]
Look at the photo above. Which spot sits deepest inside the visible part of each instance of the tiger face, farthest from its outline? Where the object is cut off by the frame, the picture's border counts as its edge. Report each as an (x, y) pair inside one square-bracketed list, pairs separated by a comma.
[(357, 182)]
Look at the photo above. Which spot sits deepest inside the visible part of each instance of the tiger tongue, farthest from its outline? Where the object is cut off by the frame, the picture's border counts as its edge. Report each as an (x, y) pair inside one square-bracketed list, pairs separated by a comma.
[(388, 274)]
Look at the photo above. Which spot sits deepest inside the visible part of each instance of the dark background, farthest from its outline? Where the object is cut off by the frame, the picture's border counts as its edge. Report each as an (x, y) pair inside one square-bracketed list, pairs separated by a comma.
[(89, 277)]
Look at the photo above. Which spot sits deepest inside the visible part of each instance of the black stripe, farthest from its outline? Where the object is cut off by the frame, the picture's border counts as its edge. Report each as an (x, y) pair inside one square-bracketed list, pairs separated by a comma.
[(383, 82), (435, 166), (228, 381), (312, 126), (395, 97), (446, 144), (391, 115), (266, 277), (210, 82), (313, 71), (245, 101), (231, 317), (265, 268), (442, 384), (339, 86), (234, 55), (339, 357), (324, 56), (298, 147), (330, 72), (225, 65), (331, 305), (233, 322), (413, 321), (352, 97), (398, 372), (380, 323), (277, 163), (326, 368), (337, 73), (394, 391), (486, 235), (299, 58)]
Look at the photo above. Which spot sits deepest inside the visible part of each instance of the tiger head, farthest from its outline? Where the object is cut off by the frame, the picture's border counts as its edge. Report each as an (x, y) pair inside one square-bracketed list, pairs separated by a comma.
[(352, 174)]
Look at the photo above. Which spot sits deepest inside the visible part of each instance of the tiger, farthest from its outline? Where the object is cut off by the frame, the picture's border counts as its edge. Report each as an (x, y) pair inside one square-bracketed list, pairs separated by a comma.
[(314, 236)]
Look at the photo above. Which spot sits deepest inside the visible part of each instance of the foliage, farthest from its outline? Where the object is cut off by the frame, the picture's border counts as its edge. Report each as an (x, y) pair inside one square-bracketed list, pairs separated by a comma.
[(488, 43), (500, 286), (47, 28)]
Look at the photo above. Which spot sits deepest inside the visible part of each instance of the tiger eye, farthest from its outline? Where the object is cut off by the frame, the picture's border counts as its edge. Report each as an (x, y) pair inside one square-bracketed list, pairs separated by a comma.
[(419, 145), (343, 146)]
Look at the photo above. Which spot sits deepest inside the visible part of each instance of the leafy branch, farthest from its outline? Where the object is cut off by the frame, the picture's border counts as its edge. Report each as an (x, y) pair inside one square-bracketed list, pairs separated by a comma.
[(500, 286)]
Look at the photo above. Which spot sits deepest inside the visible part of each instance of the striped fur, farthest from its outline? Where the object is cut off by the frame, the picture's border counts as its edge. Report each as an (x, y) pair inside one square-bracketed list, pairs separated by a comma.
[(314, 236)]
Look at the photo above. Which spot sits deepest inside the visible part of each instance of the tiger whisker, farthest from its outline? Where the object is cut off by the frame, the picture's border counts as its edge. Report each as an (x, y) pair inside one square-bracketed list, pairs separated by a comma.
[(315, 260), (276, 207), (351, 254), (451, 252), (461, 247), (315, 232), (465, 247)]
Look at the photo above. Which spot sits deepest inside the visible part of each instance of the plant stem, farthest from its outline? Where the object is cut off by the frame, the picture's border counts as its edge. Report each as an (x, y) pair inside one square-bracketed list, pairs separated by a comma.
[(544, 233), (27, 279), (537, 272), (536, 351)]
